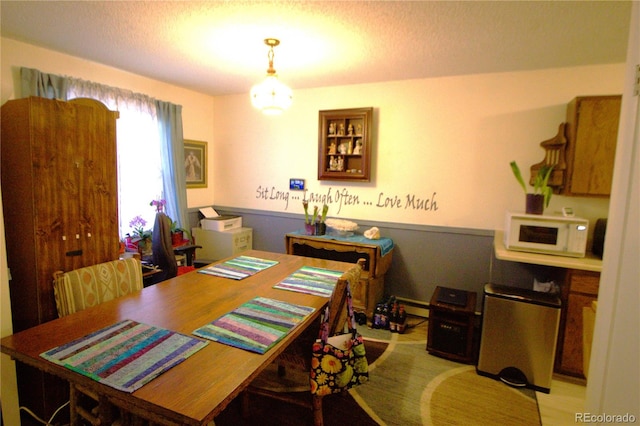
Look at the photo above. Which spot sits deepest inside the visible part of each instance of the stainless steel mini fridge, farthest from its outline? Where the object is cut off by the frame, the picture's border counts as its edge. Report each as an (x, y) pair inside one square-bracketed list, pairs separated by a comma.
[(519, 334)]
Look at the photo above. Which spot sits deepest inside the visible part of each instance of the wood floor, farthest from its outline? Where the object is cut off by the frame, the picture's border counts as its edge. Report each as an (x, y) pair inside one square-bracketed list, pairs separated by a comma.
[(557, 408)]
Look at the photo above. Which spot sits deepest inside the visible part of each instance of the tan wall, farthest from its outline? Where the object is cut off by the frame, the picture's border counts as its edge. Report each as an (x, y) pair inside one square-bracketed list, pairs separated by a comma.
[(453, 137)]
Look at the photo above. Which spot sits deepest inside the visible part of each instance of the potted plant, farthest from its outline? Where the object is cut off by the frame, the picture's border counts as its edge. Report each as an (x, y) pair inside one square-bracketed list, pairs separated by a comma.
[(539, 199), (309, 221), (178, 235), (141, 237), (321, 227), (314, 223)]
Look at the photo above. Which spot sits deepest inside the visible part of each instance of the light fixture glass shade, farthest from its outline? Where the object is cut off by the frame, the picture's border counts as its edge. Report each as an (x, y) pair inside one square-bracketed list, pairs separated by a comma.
[(271, 96)]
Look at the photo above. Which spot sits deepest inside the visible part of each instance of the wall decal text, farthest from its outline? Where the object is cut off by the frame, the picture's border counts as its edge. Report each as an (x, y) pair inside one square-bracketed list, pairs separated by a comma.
[(344, 197)]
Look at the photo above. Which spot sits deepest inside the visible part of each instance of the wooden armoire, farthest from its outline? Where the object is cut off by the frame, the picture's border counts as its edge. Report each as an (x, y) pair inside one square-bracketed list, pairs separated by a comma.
[(60, 204)]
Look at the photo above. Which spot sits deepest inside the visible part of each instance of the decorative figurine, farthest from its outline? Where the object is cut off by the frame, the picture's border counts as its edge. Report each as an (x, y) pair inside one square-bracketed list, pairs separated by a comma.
[(358, 149), (342, 148), (341, 129), (333, 164), (332, 148), (350, 130), (332, 128)]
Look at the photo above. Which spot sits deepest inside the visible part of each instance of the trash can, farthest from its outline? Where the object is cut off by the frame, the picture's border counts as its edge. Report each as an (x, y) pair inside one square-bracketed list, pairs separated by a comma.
[(519, 335)]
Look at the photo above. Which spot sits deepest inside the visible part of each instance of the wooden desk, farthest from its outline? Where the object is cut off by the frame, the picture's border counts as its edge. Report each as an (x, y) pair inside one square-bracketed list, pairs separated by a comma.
[(350, 249), (198, 389)]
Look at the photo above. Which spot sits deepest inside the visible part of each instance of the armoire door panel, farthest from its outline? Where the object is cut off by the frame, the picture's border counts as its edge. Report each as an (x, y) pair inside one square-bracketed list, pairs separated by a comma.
[(98, 187)]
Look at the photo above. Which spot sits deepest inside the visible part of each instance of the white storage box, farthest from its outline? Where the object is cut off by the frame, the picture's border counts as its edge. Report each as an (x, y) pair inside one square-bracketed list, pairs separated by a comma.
[(221, 223), (218, 245)]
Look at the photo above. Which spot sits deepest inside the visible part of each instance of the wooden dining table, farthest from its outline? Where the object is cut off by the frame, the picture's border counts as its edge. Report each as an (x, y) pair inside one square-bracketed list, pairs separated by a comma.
[(195, 391)]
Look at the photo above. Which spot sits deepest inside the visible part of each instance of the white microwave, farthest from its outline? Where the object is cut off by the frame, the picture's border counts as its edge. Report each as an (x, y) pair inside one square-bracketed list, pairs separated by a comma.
[(557, 235)]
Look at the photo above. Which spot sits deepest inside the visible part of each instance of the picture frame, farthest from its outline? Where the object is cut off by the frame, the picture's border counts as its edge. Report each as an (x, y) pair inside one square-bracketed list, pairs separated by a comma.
[(195, 163)]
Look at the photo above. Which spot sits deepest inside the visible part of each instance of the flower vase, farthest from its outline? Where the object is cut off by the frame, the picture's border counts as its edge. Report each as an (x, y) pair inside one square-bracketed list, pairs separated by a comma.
[(321, 228), (309, 228), (535, 204)]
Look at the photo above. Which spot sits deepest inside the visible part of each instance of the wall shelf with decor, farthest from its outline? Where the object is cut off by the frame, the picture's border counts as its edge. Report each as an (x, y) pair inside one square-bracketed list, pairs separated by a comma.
[(344, 145)]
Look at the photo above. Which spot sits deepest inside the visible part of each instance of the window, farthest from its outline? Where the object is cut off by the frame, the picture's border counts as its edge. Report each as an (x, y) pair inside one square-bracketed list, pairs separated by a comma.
[(139, 171)]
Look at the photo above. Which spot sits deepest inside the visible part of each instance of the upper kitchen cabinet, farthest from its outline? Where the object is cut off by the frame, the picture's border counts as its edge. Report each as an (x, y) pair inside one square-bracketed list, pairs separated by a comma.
[(592, 133), (583, 151)]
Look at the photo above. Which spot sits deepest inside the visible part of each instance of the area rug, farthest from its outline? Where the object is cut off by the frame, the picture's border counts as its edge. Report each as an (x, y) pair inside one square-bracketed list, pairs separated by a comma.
[(407, 386), (422, 389)]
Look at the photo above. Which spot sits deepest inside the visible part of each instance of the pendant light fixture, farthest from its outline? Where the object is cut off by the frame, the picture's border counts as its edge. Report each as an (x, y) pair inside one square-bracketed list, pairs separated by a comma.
[(271, 96)]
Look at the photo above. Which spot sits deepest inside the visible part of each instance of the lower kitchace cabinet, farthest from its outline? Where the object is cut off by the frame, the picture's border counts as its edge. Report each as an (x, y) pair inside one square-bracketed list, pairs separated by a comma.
[(579, 291)]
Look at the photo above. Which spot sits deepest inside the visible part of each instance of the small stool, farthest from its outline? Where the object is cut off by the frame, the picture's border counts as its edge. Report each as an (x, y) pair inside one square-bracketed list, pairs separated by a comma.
[(451, 324)]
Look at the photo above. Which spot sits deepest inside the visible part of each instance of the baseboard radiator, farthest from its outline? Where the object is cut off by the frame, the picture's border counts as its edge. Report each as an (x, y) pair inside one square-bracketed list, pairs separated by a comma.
[(416, 308), (419, 308)]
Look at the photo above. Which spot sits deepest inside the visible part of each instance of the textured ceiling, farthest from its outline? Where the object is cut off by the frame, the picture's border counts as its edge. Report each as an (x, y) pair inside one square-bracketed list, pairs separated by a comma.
[(216, 47)]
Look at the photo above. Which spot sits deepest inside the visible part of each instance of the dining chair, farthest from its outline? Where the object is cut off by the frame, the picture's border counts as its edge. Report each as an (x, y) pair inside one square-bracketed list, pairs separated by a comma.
[(163, 252), (83, 288), (162, 248), (297, 356), (92, 285)]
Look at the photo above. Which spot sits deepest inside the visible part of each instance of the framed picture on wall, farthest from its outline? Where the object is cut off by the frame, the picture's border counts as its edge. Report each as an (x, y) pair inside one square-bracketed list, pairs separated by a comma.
[(195, 163)]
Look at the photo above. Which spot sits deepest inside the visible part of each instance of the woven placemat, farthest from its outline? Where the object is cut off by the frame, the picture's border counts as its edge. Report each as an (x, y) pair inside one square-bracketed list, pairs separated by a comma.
[(256, 325), (239, 267), (310, 280), (126, 355)]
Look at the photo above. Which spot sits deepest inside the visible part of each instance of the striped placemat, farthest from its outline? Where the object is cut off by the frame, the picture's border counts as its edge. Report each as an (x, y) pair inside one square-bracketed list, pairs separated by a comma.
[(239, 267), (310, 280), (126, 355), (256, 325)]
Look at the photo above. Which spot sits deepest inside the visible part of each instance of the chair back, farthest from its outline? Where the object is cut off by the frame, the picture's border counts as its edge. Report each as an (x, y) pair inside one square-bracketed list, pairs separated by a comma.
[(162, 247), (90, 286), (338, 316)]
